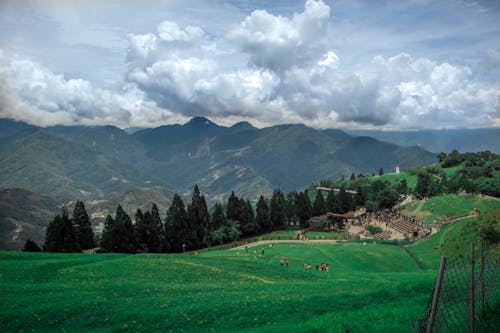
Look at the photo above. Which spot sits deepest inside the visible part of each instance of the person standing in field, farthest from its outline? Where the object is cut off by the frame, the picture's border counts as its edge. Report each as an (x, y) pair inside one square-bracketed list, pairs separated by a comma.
[(287, 263), (262, 252)]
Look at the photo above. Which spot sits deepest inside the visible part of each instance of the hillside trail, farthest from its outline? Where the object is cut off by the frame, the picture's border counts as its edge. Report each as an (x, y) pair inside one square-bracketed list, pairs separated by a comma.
[(275, 241)]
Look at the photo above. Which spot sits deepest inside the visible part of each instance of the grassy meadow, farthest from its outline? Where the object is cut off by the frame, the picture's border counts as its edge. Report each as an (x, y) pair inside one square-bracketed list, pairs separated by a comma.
[(369, 288), (451, 206), (373, 288)]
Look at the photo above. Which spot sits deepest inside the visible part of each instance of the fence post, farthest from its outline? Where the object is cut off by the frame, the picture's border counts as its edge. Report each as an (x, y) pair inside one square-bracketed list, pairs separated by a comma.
[(483, 301), (435, 297), (472, 291)]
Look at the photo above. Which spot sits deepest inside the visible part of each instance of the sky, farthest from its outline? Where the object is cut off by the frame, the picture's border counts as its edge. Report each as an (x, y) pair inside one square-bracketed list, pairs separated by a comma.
[(351, 64)]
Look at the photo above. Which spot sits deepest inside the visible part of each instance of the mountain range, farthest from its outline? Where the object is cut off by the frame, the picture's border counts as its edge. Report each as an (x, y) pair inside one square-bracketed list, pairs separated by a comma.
[(94, 163), (44, 169)]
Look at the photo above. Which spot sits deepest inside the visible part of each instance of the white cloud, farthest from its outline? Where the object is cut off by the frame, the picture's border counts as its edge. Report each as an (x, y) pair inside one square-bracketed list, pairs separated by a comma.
[(267, 68), (278, 43), (32, 93)]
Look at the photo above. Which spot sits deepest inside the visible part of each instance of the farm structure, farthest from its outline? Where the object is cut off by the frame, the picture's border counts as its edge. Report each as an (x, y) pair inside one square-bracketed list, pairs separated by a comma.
[(333, 221)]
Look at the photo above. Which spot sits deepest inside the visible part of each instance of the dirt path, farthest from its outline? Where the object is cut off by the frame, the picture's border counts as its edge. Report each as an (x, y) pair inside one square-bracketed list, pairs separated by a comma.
[(276, 241), (17, 231)]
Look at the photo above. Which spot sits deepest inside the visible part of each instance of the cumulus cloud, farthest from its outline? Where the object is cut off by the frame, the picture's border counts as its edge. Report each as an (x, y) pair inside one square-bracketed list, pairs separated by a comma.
[(32, 93), (286, 70), (269, 69), (278, 43)]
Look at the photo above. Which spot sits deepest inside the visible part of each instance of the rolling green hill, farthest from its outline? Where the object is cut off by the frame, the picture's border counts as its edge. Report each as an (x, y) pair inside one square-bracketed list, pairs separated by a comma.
[(222, 291), (451, 206), (59, 167)]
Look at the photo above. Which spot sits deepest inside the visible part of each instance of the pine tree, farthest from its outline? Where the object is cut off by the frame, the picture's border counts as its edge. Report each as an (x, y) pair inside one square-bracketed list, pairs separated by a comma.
[(346, 201), (119, 234), (304, 209), (157, 229), (60, 235), (83, 229), (218, 225), (141, 230), (319, 205), (31, 246), (277, 210), (70, 242), (218, 219), (124, 232), (263, 219), (233, 208), (149, 230), (177, 230), (248, 225), (332, 202), (107, 238), (423, 183), (291, 208), (53, 235), (199, 219), (360, 196)]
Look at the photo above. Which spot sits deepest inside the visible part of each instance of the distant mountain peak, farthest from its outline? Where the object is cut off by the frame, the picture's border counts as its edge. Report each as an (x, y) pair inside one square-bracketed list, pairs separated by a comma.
[(200, 121), (242, 125)]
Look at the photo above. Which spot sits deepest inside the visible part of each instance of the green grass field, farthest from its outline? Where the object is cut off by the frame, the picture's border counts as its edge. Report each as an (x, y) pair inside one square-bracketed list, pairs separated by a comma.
[(370, 288), (451, 206), (220, 291)]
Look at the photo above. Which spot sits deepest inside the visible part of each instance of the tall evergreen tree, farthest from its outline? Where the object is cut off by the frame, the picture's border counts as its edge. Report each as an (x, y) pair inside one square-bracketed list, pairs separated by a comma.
[(319, 205), (360, 196), (177, 229), (218, 225), (423, 183), (262, 218), (107, 238), (233, 207), (332, 202), (277, 210), (157, 227), (304, 209), (70, 242), (60, 235), (248, 225), (53, 235), (199, 219), (217, 219), (291, 208), (149, 230), (119, 234), (141, 230), (346, 201), (83, 228), (124, 232)]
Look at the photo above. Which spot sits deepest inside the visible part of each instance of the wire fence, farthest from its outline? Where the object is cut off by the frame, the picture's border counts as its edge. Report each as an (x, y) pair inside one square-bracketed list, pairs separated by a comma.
[(465, 293)]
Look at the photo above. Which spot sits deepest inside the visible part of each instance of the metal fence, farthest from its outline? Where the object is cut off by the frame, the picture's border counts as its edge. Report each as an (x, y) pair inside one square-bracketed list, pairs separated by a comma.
[(465, 293)]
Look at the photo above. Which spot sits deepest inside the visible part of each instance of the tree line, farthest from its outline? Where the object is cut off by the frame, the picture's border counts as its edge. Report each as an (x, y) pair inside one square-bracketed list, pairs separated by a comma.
[(190, 227), (194, 227)]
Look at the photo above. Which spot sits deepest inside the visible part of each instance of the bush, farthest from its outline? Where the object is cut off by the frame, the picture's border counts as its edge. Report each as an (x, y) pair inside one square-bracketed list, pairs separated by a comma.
[(373, 229)]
